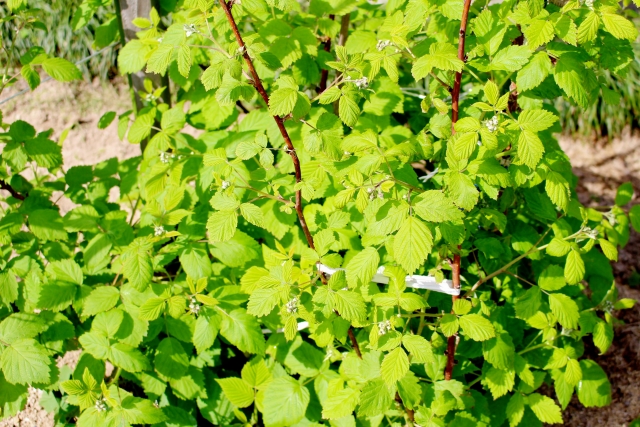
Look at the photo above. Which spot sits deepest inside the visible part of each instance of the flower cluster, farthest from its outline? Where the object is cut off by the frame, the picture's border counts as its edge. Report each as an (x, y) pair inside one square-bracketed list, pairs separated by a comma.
[(194, 306), (158, 230), (372, 193), (292, 306), (101, 405), (384, 327), (190, 29), (492, 124), (382, 44)]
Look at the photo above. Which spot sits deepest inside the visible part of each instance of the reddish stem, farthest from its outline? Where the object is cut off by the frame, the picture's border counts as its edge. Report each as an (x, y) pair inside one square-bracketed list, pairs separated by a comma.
[(11, 190), (455, 266), (325, 73), (257, 83)]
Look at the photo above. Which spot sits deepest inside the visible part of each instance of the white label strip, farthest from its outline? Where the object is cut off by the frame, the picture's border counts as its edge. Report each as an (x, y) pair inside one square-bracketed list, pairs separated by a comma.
[(301, 326), (417, 282)]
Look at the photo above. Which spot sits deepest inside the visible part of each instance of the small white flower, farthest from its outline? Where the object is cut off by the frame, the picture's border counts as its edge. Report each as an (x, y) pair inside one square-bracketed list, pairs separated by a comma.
[(194, 306), (505, 161), (292, 306), (164, 157), (241, 50), (329, 355), (362, 83), (382, 44), (610, 216), (101, 405), (492, 124), (156, 404), (190, 29), (589, 3), (384, 327), (225, 185), (158, 230), (160, 39), (380, 194)]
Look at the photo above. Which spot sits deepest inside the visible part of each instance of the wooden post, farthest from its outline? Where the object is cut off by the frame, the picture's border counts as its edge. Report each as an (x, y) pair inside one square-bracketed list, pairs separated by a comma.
[(127, 11)]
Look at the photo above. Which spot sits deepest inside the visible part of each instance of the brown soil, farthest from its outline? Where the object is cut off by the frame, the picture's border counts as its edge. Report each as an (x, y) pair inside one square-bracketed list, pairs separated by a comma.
[(601, 167)]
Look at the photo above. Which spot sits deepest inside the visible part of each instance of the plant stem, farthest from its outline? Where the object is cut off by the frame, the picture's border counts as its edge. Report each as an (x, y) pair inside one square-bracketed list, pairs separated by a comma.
[(505, 267), (455, 96), (257, 83), (11, 190), (325, 72)]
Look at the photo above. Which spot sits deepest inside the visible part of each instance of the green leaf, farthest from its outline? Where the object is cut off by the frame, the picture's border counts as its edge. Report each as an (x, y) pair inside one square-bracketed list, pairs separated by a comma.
[(594, 390), (256, 374), (222, 226), (545, 409), (634, 217), (624, 194), (340, 404), (536, 120), (133, 56), (350, 305), (569, 74), (237, 391), (243, 331), (589, 27), (511, 58), (608, 249), (375, 398), (412, 244), (602, 336), (362, 267), (449, 325), (287, 402), (552, 278), (61, 69), (499, 351), (619, 27), (572, 372), (171, 360), (128, 358), (46, 224), (477, 327), (515, 409), (534, 73), (137, 263), (463, 191), (8, 287), (434, 206), (530, 148), (394, 366), (574, 269), (101, 299), (443, 56), (539, 32), (565, 309), (348, 110), (419, 348), (184, 60), (25, 361), (160, 59)]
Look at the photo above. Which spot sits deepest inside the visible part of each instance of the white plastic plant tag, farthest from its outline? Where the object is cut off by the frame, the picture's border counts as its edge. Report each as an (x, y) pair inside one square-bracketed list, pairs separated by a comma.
[(417, 282), (301, 326)]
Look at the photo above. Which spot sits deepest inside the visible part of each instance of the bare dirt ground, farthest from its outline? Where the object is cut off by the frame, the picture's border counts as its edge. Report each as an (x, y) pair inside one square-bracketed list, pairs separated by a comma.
[(601, 167)]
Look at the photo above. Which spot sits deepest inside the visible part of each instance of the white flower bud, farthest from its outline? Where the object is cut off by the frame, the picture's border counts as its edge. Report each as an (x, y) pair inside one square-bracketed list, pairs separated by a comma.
[(190, 29), (158, 230)]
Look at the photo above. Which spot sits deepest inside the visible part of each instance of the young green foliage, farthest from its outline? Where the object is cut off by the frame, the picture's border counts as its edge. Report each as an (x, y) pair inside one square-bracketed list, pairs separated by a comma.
[(202, 284)]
